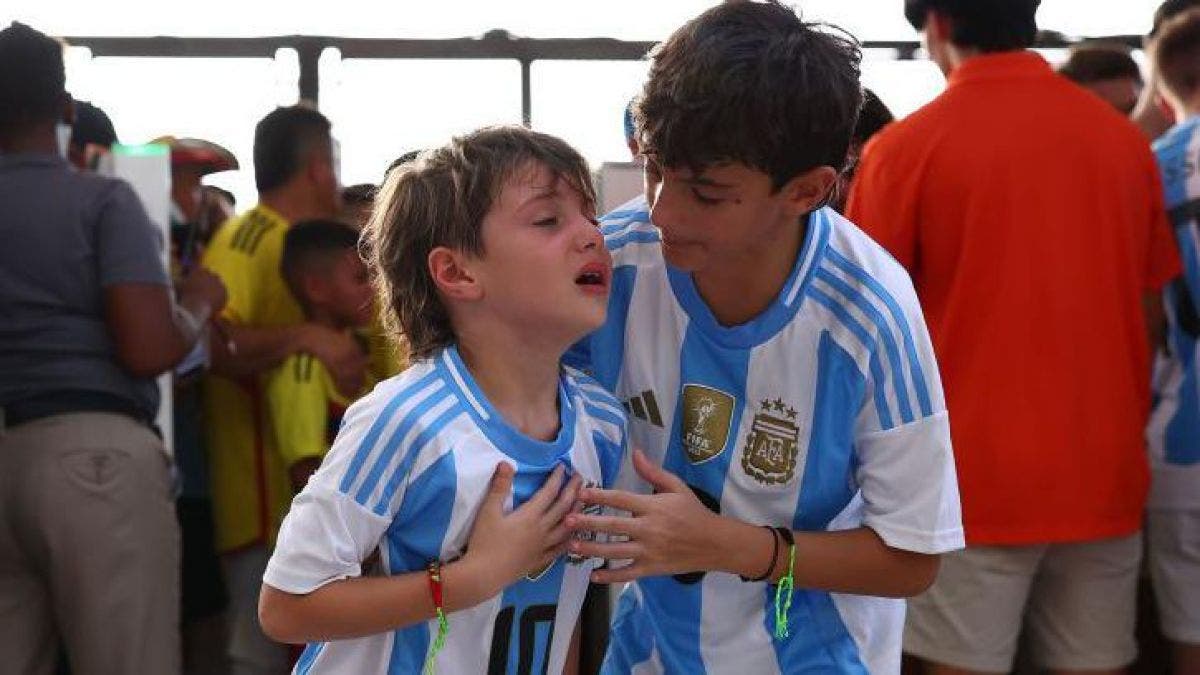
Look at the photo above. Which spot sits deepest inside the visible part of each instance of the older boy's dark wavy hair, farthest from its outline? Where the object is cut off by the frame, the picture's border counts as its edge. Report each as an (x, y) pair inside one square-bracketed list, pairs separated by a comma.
[(440, 199), (750, 82)]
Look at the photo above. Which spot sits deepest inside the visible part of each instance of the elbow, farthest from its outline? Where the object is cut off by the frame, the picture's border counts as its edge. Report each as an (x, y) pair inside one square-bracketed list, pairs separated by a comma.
[(274, 617), (146, 362)]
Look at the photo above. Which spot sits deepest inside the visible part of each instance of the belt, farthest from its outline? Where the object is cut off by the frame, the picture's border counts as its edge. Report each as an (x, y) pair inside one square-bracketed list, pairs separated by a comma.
[(16, 413)]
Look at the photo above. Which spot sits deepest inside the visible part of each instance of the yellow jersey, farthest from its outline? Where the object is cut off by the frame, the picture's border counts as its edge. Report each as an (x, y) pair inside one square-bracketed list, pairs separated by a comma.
[(250, 487), (305, 407)]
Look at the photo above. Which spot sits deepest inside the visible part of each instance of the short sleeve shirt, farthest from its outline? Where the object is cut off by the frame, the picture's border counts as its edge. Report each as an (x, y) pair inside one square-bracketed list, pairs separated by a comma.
[(67, 236)]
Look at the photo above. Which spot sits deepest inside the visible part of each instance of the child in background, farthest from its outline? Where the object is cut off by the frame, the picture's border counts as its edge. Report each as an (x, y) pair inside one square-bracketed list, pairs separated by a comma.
[(327, 277)]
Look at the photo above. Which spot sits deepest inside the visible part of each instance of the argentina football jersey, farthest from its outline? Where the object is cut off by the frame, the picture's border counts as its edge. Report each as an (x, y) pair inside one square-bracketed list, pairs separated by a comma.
[(404, 480), (1173, 433), (823, 413)]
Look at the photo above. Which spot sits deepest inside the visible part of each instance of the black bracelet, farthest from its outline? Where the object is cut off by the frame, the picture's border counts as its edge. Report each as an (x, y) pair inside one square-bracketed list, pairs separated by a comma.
[(786, 533), (774, 555)]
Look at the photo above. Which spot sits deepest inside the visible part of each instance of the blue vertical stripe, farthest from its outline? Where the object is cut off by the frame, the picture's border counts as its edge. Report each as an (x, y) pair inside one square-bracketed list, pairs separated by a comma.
[(679, 605), (607, 345), (414, 539), (631, 640), (819, 639), (539, 593)]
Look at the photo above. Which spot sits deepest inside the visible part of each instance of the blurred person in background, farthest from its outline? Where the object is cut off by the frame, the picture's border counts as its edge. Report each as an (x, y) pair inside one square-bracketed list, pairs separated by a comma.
[(92, 135), (89, 551), (1153, 114), (1173, 434), (295, 171), (1108, 71), (1037, 242)]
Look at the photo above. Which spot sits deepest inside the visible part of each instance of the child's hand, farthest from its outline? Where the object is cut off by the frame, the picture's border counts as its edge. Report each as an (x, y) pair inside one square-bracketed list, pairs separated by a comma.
[(506, 547)]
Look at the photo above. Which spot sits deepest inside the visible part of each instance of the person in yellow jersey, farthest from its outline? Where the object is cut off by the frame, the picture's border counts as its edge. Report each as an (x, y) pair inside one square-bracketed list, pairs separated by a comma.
[(295, 172), (330, 281)]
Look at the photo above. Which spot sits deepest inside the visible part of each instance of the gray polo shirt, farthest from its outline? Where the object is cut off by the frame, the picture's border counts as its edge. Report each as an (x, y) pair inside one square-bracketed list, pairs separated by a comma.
[(64, 237)]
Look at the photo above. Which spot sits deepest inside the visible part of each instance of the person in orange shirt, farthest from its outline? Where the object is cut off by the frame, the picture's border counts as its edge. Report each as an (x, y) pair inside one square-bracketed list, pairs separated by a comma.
[(1029, 214)]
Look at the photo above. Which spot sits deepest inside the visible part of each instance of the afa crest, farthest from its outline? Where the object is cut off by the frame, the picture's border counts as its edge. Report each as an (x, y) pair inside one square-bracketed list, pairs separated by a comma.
[(772, 444), (707, 414)]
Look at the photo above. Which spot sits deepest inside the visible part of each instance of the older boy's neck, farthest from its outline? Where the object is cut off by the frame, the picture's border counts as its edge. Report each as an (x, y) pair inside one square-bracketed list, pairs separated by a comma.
[(742, 290), (519, 379)]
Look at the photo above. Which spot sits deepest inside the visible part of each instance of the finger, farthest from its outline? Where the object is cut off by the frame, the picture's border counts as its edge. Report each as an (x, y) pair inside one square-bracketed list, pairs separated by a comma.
[(621, 525), (500, 487), (660, 478), (617, 499), (623, 550), (549, 490), (618, 576), (566, 499), (558, 538)]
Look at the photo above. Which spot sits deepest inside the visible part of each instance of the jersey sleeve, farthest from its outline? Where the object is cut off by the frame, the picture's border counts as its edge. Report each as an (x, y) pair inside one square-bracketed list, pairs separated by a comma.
[(299, 408), (905, 460), (128, 245), (327, 533), (883, 201)]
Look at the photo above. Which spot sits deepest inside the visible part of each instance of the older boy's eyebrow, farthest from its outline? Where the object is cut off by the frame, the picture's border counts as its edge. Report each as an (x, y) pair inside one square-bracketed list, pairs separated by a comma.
[(707, 182)]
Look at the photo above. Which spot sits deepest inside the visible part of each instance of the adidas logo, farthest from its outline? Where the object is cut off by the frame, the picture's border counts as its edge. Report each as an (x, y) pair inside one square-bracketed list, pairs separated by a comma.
[(644, 407)]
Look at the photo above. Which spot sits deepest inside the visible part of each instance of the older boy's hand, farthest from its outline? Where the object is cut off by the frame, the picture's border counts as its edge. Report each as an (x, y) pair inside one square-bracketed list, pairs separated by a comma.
[(526, 541), (669, 532), (341, 354)]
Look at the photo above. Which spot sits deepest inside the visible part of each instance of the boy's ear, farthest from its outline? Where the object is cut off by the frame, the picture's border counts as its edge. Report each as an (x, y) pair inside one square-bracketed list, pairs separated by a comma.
[(452, 274), (810, 189)]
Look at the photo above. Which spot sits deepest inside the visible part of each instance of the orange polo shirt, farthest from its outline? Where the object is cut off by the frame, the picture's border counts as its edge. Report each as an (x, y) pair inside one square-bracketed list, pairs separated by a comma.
[(1030, 216)]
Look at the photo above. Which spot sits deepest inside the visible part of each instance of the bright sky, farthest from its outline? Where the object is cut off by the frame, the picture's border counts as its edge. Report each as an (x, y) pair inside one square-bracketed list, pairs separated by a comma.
[(381, 109)]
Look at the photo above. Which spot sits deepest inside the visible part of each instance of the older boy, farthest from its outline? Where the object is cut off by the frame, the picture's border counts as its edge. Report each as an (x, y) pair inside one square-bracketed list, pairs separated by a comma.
[(777, 370)]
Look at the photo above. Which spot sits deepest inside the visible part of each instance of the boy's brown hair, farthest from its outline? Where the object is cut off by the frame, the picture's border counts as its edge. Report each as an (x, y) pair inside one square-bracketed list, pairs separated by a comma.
[(441, 199), (1176, 53), (751, 82)]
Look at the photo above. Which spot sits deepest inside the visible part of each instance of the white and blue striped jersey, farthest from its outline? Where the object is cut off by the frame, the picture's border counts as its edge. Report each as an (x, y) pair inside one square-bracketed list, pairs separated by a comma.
[(1173, 433), (404, 479), (823, 413)]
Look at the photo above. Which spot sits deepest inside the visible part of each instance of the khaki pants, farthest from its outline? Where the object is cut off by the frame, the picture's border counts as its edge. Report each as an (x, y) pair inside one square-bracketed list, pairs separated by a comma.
[(1076, 600), (89, 548)]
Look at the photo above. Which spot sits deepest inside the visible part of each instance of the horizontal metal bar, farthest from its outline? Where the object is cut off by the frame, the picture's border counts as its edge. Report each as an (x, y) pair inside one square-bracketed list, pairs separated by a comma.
[(497, 44)]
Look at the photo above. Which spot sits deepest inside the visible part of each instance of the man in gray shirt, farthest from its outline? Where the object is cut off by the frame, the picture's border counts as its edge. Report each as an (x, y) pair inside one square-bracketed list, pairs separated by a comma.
[(89, 546)]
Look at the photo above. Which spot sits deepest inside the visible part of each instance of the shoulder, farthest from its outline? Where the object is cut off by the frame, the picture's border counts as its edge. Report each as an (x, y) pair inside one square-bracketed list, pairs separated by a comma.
[(630, 236), (255, 234), (850, 253), (596, 402)]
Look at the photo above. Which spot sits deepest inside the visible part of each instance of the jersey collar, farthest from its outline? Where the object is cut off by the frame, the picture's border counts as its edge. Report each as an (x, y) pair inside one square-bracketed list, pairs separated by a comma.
[(781, 310)]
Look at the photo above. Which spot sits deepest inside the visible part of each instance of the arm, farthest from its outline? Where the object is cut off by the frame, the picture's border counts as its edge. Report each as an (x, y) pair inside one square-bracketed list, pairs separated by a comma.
[(149, 333), (672, 533), (502, 548), (245, 351)]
